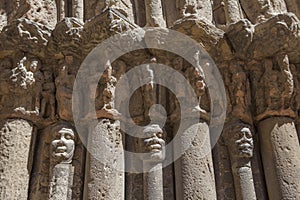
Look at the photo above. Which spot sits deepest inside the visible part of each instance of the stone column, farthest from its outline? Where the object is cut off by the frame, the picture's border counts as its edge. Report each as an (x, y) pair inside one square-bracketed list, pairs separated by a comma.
[(239, 140), (105, 156), (61, 154), (61, 10), (257, 10), (280, 153), (153, 154), (78, 9), (243, 181), (201, 9), (16, 137), (153, 180), (61, 180), (194, 170), (233, 11), (154, 13)]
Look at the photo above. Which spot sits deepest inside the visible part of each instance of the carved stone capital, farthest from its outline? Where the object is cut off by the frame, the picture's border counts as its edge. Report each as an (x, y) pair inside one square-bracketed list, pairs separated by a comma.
[(273, 87)]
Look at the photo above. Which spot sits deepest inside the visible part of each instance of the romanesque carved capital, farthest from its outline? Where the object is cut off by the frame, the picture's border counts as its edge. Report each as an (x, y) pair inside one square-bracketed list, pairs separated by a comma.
[(66, 38), (237, 83), (104, 25), (240, 36), (273, 87), (280, 32), (27, 89), (24, 35), (200, 30)]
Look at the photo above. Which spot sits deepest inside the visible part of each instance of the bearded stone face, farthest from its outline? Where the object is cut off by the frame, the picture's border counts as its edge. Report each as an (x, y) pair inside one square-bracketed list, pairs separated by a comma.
[(63, 145)]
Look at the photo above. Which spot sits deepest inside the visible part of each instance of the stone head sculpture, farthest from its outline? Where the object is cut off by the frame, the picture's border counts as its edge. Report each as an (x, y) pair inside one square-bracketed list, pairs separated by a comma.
[(153, 145), (63, 143), (239, 139)]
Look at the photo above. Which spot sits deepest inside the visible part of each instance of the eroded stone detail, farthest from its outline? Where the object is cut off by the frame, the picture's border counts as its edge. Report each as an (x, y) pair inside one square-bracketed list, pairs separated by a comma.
[(154, 148), (57, 173), (15, 137), (61, 171), (239, 140), (255, 45)]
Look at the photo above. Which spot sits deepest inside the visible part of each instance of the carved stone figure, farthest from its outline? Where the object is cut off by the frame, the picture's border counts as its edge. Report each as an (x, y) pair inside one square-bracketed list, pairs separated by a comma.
[(196, 79), (63, 145), (243, 141), (57, 173), (153, 144), (195, 7), (154, 13), (260, 10), (153, 148), (278, 80), (256, 47), (239, 140), (64, 84), (48, 99), (61, 171)]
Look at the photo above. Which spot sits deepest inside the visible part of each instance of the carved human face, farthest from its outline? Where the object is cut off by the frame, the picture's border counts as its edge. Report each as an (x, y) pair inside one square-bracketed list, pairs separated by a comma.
[(153, 144), (178, 63), (244, 143), (34, 65), (63, 145)]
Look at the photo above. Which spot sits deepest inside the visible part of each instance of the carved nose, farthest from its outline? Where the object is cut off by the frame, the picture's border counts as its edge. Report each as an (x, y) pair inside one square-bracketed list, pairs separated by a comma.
[(61, 141)]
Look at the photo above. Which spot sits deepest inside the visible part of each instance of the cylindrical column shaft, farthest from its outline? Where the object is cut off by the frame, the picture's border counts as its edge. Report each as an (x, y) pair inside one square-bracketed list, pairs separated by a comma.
[(104, 177), (243, 181), (232, 11), (15, 145), (194, 170), (61, 182), (280, 154), (153, 181), (154, 13), (78, 9)]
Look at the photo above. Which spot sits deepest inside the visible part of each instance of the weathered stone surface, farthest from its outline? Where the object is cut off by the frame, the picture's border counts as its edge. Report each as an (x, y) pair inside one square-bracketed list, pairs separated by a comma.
[(58, 168), (233, 11), (103, 179), (201, 9), (280, 149), (16, 136), (255, 45), (239, 140), (196, 160), (44, 12)]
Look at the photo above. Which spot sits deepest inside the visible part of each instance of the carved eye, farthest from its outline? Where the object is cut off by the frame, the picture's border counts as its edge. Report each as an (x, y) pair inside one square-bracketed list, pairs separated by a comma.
[(68, 136), (246, 133), (159, 134)]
